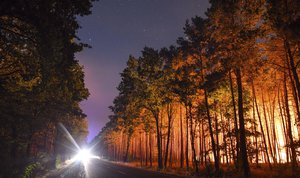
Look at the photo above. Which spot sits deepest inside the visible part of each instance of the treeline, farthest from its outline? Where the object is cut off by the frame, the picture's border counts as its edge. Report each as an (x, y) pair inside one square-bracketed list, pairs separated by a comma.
[(41, 83), (227, 94)]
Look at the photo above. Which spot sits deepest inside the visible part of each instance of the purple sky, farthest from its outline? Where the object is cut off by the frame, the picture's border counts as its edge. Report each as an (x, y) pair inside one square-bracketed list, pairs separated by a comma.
[(117, 28)]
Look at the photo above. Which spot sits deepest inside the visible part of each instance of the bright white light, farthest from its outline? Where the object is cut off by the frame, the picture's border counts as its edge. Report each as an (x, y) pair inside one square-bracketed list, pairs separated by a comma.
[(84, 156)]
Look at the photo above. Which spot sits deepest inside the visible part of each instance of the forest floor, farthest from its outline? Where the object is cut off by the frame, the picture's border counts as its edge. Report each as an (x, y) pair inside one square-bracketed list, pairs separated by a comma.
[(227, 171)]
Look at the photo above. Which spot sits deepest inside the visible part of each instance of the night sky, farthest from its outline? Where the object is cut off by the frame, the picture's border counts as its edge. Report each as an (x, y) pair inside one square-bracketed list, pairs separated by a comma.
[(118, 28)]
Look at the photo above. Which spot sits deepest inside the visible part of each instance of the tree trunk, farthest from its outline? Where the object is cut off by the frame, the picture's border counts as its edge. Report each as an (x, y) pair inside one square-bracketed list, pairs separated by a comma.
[(255, 131), (231, 142), (204, 142), (150, 149), (293, 68), (217, 136), (236, 129), (293, 79), (158, 140), (289, 129), (283, 126), (170, 120), (127, 145), (201, 142), (261, 126), (243, 146), (141, 153), (171, 150), (187, 138), (224, 138), (275, 142), (267, 128), (146, 147), (181, 139), (211, 134), (193, 140)]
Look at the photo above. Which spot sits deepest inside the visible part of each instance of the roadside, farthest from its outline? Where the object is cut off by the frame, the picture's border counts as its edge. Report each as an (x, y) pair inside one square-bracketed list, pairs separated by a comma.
[(180, 173), (226, 171)]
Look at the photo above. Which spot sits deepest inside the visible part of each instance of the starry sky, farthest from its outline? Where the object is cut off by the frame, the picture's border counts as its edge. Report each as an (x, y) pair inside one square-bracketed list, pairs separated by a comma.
[(118, 28)]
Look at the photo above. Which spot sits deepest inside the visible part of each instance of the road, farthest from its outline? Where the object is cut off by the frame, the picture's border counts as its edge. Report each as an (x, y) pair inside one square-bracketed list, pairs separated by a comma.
[(105, 169)]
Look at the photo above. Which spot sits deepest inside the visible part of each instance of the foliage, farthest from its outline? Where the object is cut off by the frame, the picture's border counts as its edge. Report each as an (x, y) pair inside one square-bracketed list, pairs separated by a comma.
[(28, 172), (41, 83)]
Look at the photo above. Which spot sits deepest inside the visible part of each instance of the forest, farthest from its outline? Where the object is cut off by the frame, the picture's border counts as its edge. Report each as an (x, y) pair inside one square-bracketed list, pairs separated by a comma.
[(41, 84), (222, 102)]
